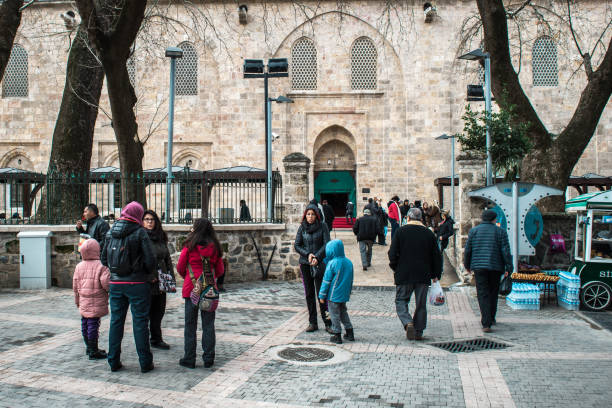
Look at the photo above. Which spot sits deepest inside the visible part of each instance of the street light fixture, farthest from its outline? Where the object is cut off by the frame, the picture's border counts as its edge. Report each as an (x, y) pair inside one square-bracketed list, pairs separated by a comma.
[(173, 53), (277, 68), (478, 55), (453, 137)]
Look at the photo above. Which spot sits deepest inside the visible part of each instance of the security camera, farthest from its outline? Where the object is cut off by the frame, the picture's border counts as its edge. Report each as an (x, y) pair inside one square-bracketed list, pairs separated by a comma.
[(275, 136), (69, 19), (242, 13), (430, 12)]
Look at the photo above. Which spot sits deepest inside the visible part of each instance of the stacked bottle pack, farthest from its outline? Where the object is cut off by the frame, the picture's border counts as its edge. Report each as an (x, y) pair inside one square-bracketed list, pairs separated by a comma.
[(568, 291), (524, 296)]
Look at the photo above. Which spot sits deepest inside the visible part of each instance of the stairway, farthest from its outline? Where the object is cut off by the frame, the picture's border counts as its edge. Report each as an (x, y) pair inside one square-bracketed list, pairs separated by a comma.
[(340, 223)]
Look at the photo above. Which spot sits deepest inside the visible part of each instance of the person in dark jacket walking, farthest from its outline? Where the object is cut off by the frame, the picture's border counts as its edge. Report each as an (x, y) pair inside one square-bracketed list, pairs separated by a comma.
[(383, 220), (328, 213), (446, 230), (132, 288), (404, 211), (487, 255), (96, 226), (245, 214), (310, 241), (366, 228), (415, 259), (349, 212), (159, 242)]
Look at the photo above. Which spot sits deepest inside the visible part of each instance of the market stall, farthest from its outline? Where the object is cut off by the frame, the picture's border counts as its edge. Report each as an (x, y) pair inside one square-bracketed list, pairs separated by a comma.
[(593, 248)]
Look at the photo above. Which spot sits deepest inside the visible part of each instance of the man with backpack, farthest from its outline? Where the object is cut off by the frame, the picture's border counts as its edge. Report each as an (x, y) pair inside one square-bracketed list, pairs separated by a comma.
[(129, 255)]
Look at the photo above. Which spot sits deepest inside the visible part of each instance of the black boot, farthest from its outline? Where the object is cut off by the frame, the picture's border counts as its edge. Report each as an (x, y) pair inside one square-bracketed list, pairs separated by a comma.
[(336, 338), (95, 353), (349, 335), (87, 348)]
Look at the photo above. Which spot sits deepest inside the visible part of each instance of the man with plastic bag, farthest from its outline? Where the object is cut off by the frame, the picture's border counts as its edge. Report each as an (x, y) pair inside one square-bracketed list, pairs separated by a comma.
[(487, 255), (415, 259)]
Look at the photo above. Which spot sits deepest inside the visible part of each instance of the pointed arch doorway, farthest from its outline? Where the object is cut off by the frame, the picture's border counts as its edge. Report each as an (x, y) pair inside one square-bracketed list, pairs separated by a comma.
[(334, 169)]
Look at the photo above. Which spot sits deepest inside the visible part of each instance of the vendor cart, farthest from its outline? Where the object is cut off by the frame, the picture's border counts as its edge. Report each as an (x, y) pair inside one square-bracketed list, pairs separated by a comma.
[(593, 248)]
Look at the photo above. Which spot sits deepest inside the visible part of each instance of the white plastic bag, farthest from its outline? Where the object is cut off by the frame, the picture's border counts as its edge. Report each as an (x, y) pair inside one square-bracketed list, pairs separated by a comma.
[(436, 294)]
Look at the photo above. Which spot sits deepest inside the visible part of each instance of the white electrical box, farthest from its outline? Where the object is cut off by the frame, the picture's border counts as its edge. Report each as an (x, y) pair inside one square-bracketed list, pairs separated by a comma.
[(35, 259)]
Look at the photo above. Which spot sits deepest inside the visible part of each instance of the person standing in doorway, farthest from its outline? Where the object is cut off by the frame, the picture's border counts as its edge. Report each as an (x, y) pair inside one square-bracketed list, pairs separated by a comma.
[(394, 215), (96, 227), (366, 228), (487, 255), (328, 213), (415, 260)]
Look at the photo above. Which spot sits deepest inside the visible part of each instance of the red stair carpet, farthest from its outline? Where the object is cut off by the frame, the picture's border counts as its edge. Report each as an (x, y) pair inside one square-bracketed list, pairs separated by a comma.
[(340, 223)]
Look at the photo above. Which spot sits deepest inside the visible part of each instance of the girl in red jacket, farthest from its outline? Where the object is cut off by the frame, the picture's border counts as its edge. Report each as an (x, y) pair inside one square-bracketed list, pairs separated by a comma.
[(90, 284), (201, 242)]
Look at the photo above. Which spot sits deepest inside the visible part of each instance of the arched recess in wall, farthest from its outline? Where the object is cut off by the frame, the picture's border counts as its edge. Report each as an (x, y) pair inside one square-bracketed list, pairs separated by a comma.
[(112, 160), (334, 133), (188, 158), (16, 159)]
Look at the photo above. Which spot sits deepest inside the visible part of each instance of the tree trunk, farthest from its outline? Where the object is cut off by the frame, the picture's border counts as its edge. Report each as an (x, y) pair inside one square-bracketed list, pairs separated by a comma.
[(551, 162), (68, 172), (10, 18)]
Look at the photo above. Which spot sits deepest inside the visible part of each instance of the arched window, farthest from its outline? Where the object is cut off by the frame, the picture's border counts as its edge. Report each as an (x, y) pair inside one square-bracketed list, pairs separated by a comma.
[(303, 64), (544, 62), (187, 70), (131, 69), (363, 64), (15, 82)]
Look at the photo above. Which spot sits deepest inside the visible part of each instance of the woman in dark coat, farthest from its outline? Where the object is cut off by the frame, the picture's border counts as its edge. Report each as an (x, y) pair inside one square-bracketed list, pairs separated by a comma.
[(159, 241), (445, 230), (310, 241)]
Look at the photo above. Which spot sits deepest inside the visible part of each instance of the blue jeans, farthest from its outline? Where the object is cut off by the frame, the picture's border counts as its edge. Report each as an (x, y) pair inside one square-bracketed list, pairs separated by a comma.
[(338, 314), (394, 227), (137, 297)]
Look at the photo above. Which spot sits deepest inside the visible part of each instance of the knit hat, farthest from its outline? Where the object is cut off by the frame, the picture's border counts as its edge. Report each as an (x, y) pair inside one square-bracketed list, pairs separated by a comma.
[(367, 212), (489, 215), (133, 212)]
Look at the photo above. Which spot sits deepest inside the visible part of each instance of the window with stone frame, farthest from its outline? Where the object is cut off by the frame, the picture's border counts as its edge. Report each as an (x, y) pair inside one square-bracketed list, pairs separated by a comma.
[(187, 70), (544, 62), (303, 64), (364, 64), (15, 81)]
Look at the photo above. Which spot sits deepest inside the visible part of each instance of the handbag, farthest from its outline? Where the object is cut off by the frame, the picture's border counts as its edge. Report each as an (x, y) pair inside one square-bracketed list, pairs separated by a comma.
[(505, 286), (166, 280), (204, 294), (316, 271)]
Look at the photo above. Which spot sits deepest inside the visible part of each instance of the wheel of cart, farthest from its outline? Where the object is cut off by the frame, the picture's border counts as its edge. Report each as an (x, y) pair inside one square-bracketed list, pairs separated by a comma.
[(593, 248)]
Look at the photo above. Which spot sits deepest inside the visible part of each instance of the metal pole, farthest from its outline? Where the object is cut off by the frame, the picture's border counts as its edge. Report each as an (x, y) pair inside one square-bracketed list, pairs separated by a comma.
[(489, 168), (169, 177), (515, 225), (453, 177), (269, 157)]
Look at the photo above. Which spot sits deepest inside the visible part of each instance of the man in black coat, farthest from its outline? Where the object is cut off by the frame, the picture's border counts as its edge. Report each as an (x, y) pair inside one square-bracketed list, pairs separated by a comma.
[(96, 227), (366, 228), (328, 214), (415, 259)]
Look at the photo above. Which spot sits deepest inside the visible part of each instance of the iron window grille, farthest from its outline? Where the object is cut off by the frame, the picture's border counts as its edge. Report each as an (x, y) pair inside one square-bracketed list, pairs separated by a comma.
[(544, 62), (187, 70), (15, 83), (304, 65), (363, 64), (131, 69)]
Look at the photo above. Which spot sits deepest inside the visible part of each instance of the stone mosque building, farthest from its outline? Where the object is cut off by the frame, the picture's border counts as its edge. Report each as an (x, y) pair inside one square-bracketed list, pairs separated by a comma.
[(373, 84)]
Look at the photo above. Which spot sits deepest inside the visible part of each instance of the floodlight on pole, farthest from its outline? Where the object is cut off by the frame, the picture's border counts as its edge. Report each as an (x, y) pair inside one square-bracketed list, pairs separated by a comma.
[(477, 55), (277, 68), (173, 53), (453, 137)]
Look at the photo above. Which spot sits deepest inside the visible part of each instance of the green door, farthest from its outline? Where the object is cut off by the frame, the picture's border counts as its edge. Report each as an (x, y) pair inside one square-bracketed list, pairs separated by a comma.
[(336, 183)]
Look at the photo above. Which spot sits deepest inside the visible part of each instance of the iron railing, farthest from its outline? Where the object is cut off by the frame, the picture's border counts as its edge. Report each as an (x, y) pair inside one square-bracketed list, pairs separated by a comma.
[(59, 198)]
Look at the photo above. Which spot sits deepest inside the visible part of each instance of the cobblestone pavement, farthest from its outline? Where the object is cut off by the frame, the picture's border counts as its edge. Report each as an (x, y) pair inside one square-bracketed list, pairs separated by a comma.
[(555, 358)]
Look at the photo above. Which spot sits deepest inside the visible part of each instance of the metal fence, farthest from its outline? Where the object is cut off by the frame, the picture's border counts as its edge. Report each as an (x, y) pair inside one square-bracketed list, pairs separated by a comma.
[(33, 198)]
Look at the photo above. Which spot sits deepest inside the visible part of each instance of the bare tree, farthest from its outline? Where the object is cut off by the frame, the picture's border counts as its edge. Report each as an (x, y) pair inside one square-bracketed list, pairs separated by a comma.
[(10, 19)]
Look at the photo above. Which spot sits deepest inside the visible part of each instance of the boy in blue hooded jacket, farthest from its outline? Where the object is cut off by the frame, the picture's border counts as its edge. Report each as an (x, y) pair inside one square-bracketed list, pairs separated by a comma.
[(336, 288)]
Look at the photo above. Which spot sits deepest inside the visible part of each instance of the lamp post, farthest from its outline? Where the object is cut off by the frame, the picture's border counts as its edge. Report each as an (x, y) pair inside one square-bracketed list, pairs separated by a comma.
[(276, 68), (173, 53), (478, 55), (452, 137)]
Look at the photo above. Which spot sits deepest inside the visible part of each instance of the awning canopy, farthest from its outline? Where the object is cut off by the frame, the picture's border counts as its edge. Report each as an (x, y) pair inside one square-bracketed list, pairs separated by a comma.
[(9, 174), (598, 200)]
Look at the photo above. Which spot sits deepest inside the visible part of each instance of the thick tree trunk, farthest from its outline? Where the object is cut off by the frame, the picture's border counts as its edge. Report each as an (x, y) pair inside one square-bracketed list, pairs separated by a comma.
[(10, 18), (552, 161), (68, 173)]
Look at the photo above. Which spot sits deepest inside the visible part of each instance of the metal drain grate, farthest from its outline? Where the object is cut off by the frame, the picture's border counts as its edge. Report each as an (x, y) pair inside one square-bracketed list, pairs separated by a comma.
[(467, 346), (308, 354)]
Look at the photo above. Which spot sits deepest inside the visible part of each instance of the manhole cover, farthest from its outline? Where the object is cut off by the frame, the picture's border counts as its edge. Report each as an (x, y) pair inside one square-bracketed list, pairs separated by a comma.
[(305, 354), (467, 346)]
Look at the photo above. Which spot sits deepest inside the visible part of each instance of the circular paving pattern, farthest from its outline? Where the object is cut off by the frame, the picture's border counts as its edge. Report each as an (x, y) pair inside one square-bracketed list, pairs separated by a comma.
[(305, 354)]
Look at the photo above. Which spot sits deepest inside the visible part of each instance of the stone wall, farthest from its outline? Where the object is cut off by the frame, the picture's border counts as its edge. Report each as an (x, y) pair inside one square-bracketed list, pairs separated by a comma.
[(237, 241)]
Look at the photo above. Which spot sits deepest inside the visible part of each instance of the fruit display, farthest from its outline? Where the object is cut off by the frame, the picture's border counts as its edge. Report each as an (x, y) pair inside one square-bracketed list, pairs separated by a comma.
[(534, 277)]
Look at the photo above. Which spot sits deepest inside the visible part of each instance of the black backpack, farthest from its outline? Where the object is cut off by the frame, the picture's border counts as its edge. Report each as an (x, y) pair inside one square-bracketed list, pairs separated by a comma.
[(118, 257)]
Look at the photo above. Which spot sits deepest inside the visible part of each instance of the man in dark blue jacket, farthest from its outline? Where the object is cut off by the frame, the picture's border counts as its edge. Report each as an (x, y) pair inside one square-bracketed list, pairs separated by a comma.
[(487, 255)]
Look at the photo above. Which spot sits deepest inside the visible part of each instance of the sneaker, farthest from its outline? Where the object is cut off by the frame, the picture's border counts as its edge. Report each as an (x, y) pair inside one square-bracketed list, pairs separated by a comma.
[(419, 337), (410, 332), (116, 367), (336, 338), (312, 327), (186, 363), (160, 345), (487, 330), (147, 368)]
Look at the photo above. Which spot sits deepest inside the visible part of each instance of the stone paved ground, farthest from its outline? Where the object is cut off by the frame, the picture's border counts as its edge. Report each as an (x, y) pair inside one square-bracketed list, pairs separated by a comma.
[(556, 358)]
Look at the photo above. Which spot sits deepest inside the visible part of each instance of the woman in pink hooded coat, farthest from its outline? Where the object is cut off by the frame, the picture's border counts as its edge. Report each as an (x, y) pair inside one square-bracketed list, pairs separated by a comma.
[(91, 284)]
